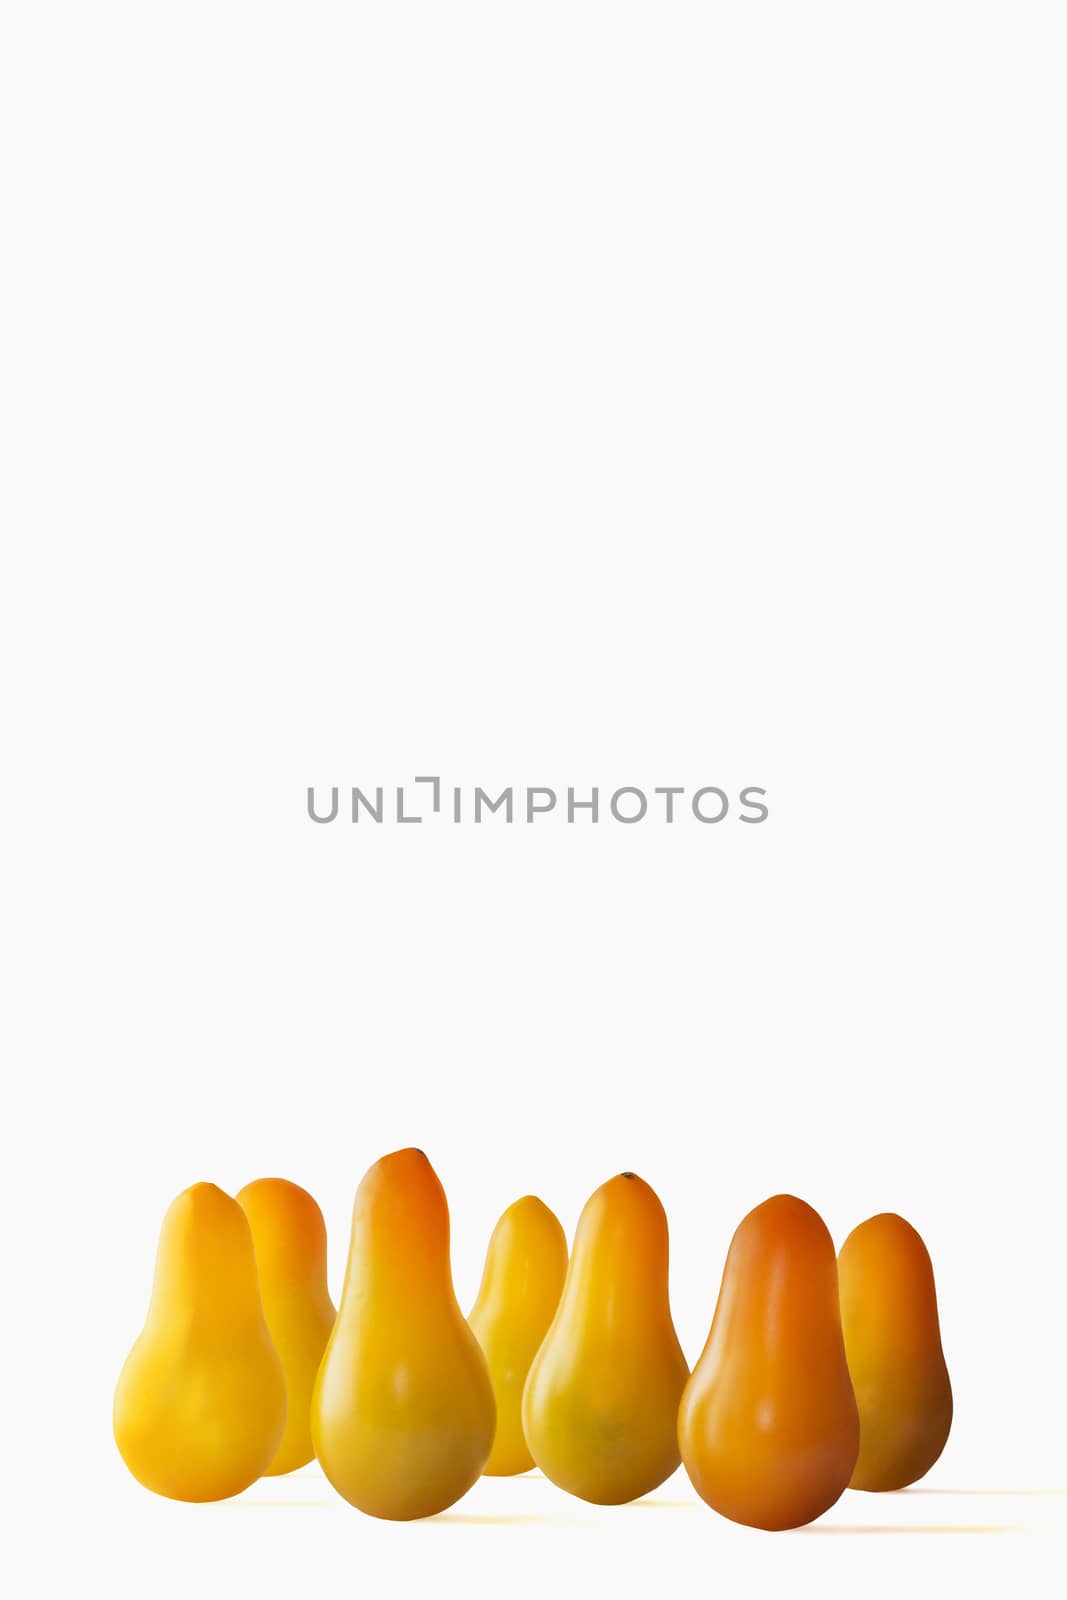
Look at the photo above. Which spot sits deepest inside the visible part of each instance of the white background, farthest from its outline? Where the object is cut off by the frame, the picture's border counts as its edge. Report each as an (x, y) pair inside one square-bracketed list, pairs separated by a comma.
[(556, 394)]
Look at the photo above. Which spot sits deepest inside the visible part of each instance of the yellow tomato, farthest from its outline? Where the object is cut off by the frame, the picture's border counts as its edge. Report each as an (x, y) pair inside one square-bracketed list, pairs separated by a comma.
[(290, 1240), (200, 1403), (525, 1266), (600, 1407), (402, 1416)]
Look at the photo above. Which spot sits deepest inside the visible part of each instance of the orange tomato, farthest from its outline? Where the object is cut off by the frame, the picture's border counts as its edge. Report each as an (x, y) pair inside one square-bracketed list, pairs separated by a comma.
[(768, 1425), (893, 1344)]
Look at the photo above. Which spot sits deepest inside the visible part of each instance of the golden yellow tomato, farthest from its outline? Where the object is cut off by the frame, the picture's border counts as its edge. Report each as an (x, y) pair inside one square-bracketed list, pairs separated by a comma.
[(290, 1240), (525, 1266), (200, 1403), (600, 1407), (402, 1416)]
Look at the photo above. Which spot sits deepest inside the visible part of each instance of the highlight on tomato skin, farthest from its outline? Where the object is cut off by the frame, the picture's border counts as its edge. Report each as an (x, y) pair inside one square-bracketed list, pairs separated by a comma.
[(402, 1414), (768, 1426), (893, 1343), (600, 1405)]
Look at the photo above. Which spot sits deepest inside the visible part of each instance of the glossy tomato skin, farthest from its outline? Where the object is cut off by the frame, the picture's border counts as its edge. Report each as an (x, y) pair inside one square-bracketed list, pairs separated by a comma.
[(768, 1426), (893, 1344), (525, 1267), (600, 1407), (290, 1240), (200, 1404), (402, 1416)]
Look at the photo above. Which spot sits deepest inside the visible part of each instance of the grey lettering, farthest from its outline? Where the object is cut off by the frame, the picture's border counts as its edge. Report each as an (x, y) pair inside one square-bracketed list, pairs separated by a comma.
[(359, 798), (617, 814), (754, 805), (592, 805), (400, 817), (436, 790), (533, 810), (670, 793), (503, 799), (333, 805), (696, 805)]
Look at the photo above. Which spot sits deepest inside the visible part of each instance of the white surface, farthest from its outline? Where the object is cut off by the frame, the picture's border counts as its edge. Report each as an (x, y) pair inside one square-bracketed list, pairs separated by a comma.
[(565, 394), (528, 1538)]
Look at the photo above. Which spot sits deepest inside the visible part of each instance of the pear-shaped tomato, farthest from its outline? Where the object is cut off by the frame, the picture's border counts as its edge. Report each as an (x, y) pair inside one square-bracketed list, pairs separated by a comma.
[(402, 1415), (524, 1271), (893, 1344), (290, 1240), (600, 1407), (200, 1404), (768, 1426)]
